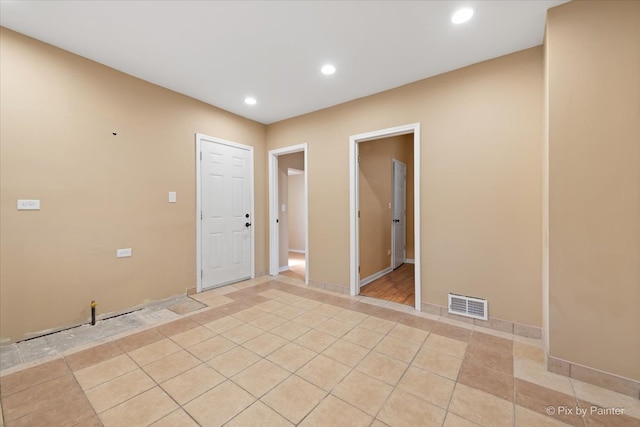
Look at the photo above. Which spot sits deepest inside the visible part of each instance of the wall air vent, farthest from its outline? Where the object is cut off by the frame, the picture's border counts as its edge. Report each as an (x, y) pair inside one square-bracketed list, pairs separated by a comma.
[(468, 306)]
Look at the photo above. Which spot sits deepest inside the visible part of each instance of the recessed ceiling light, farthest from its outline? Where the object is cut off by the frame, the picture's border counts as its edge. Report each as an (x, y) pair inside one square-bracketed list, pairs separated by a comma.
[(249, 100), (328, 69), (462, 15)]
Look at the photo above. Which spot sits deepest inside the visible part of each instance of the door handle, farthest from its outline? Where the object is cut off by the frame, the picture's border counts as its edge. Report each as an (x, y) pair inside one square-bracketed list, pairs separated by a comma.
[(396, 220), (247, 224)]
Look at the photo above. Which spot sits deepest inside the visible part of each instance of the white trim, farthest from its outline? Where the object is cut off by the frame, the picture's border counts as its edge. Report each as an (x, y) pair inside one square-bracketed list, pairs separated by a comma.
[(375, 276), (409, 260), (298, 251), (394, 162), (199, 138), (273, 206), (354, 140), (283, 268)]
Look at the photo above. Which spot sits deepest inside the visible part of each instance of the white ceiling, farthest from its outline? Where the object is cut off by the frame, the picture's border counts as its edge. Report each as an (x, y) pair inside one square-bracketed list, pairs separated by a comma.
[(222, 51)]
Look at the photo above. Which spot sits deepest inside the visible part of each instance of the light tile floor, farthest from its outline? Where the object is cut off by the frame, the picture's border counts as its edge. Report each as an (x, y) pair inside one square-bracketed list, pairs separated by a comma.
[(275, 353)]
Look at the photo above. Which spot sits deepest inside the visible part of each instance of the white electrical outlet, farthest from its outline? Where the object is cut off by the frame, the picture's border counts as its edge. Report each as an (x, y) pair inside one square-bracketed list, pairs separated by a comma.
[(122, 253), (172, 196), (28, 205)]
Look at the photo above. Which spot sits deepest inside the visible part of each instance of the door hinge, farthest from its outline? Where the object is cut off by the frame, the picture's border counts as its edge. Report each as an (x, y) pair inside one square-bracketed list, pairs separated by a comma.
[(358, 269), (358, 214), (200, 215), (358, 159), (201, 155), (201, 274)]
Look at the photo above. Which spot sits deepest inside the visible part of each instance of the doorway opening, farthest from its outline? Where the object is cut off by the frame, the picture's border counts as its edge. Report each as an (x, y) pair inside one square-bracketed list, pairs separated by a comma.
[(288, 212), (385, 212)]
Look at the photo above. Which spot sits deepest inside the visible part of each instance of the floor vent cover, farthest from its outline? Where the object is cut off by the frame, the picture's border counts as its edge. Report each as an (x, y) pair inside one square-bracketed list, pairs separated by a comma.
[(468, 306)]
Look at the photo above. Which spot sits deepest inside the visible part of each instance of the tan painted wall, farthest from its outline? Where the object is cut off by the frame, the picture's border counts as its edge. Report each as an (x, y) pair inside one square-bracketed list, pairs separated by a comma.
[(98, 191), (481, 180), (286, 161), (296, 212), (375, 197), (594, 176)]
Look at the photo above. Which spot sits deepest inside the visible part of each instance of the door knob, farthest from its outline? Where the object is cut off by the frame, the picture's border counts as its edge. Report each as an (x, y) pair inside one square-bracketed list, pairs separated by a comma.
[(247, 224), (246, 216)]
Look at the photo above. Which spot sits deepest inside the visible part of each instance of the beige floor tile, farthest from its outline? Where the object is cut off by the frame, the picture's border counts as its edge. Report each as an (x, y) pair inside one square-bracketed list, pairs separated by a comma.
[(242, 333), (116, 391), (335, 412), (383, 368), (403, 409), (349, 316), (233, 361), (427, 386), (323, 372), (219, 405), (536, 373), (141, 410), (221, 325), (265, 344), (192, 336), (212, 347), (171, 365), (250, 314), (311, 319), (377, 324), (363, 392), (526, 351), (363, 337), (258, 414), (480, 407), (479, 376), (606, 398), (407, 333), (454, 420), (191, 384), (140, 339), (30, 377), (307, 304), (288, 298), (104, 371), (289, 312), (528, 418), (177, 418), (345, 352), (291, 356), (378, 423), (316, 340), (335, 327), (260, 377), (327, 310), (213, 300), (446, 345), (93, 355), (268, 321), (270, 306), (290, 330), (398, 349), (152, 352), (294, 398), (439, 363)]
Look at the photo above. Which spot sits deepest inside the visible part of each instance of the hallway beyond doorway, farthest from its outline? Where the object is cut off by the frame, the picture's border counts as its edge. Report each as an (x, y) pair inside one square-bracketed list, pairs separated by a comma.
[(297, 266), (397, 286)]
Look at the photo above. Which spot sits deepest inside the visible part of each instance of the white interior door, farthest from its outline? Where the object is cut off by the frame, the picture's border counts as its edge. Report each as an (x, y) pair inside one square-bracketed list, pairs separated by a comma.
[(399, 211), (226, 245)]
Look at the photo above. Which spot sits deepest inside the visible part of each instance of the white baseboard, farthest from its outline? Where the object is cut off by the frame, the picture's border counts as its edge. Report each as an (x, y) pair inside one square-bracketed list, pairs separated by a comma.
[(298, 251), (410, 260), (285, 268), (375, 276)]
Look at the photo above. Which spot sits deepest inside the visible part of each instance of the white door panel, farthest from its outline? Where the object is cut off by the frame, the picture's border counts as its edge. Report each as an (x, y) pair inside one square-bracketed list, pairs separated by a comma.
[(226, 206), (399, 230)]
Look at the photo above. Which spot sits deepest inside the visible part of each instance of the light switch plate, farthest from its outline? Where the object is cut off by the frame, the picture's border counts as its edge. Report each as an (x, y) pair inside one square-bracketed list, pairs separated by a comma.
[(122, 253), (172, 196), (28, 205)]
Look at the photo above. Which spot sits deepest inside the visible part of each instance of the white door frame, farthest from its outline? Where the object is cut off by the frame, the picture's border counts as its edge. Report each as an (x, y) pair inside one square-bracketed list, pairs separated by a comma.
[(274, 244), (199, 139), (354, 205)]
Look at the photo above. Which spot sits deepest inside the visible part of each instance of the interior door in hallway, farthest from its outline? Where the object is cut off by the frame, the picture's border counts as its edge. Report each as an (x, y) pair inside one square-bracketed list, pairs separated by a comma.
[(226, 207), (399, 229)]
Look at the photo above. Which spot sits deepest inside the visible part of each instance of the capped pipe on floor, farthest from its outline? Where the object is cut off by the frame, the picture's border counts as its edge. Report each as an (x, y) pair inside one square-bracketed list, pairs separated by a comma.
[(93, 312)]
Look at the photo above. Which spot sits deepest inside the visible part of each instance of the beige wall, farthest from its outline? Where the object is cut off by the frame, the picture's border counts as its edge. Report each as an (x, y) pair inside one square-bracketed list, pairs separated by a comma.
[(481, 180), (286, 161), (296, 212), (594, 184), (375, 198), (98, 191)]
